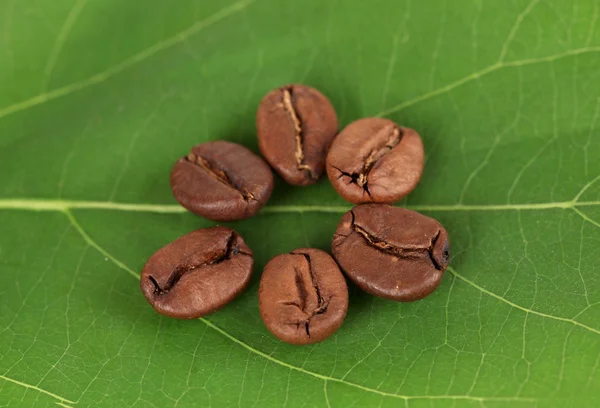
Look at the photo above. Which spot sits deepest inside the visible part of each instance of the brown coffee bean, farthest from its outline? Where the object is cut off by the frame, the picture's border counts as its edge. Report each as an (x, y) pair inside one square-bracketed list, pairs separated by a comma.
[(303, 296), (222, 181), (198, 273), (375, 160), (296, 125), (391, 252)]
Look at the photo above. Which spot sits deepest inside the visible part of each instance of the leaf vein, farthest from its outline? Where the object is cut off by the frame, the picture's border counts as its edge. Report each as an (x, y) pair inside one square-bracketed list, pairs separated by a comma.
[(274, 360), (63, 35), (126, 63), (481, 73), (515, 28), (522, 308), (586, 217), (36, 388), (38, 205)]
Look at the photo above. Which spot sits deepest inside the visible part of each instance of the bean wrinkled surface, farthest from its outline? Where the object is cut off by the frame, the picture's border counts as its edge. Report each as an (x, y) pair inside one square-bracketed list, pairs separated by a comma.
[(296, 125), (222, 181), (197, 273), (303, 296), (391, 252), (375, 160)]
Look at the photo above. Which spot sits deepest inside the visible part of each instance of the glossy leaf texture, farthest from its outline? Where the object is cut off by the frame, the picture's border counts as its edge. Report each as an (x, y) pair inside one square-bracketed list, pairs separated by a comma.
[(99, 98)]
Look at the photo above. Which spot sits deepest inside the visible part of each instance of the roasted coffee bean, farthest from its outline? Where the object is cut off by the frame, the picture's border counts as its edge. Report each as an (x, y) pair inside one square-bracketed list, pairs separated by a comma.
[(296, 125), (375, 160), (303, 296), (222, 181), (391, 252), (198, 273)]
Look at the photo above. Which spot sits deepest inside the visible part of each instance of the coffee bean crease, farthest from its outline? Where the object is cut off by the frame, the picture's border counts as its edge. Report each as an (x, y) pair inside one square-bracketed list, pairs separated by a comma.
[(303, 296), (288, 105), (220, 175), (322, 303), (231, 249), (375, 160), (376, 154), (362, 178), (407, 251)]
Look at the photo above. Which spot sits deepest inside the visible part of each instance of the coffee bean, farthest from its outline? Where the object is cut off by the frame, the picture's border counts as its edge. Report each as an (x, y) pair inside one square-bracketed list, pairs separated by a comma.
[(375, 160), (198, 273), (222, 181), (296, 125), (391, 252), (303, 296)]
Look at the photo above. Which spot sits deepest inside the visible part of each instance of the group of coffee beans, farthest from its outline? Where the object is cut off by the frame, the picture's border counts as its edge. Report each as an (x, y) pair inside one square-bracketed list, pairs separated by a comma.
[(387, 251)]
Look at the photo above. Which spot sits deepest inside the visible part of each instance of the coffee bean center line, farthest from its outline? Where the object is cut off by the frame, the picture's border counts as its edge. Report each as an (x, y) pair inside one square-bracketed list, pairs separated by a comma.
[(408, 251), (401, 252), (353, 178), (218, 174), (177, 274), (392, 136), (289, 108), (376, 154), (302, 286), (301, 290)]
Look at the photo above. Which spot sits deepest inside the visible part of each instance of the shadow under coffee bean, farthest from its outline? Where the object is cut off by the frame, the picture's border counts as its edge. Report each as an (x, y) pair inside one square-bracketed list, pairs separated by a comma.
[(197, 273), (391, 252)]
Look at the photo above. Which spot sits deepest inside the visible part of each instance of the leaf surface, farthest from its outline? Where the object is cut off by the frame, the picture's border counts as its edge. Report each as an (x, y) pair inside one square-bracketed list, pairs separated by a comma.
[(99, 98)]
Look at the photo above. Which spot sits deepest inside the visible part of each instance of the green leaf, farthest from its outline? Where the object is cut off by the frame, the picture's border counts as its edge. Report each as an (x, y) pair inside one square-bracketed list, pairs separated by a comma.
[(99, 98)]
